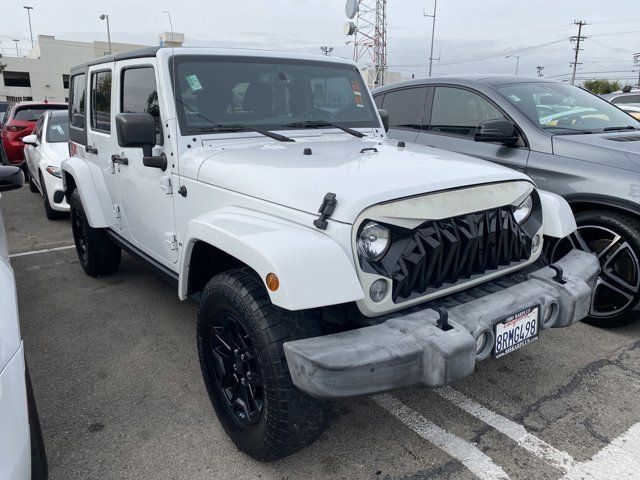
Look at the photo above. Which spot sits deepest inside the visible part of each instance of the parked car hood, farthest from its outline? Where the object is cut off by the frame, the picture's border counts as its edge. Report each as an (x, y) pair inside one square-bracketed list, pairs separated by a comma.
[(281, 173), (56, 152), (616, 149)]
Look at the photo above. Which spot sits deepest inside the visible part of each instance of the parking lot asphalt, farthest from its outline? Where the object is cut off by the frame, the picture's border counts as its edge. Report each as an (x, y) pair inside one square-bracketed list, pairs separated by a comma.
[(120, 395)]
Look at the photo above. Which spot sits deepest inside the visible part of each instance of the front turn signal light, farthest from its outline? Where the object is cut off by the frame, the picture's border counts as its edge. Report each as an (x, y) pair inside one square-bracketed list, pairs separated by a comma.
[(273, 283)]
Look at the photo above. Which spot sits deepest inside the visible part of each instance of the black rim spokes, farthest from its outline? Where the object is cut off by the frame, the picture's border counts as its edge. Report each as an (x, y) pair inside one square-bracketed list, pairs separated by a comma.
[(236, 369), (619, 280)]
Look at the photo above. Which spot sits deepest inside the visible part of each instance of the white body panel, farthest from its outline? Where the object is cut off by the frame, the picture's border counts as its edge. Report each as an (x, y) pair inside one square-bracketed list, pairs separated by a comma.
[(558, 216)]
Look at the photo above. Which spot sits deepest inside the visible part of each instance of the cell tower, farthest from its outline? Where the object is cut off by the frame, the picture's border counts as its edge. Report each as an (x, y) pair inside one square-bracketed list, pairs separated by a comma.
[(369, 36)]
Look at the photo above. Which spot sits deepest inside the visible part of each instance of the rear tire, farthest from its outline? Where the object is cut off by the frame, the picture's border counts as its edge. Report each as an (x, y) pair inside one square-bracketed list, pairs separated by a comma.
[(32, 185), (97, 254), (615, 238), (240, 335)]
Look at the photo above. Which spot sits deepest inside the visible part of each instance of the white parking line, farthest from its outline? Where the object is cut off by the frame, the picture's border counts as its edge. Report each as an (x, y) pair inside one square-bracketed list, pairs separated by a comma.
[(619, 460), (46, 250), (511, 429), (470, 456)]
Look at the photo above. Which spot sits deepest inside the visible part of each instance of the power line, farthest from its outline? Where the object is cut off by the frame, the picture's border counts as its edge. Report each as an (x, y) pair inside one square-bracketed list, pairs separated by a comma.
[(577, 39)]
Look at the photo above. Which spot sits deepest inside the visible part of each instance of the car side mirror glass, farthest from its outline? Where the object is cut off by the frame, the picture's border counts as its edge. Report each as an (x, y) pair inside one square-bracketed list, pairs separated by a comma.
[(497, 131), (136, 130), (10, 178), (384, 116), (30, 140)]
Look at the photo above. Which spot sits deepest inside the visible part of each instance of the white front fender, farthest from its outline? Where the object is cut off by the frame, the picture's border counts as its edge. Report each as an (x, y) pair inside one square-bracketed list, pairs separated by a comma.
[(557, 216), (90, 191), (312, 268)]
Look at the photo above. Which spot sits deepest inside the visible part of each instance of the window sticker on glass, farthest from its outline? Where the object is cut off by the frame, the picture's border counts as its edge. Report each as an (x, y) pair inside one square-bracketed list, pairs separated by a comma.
[(357, 93), (194, 83), (58, 128)]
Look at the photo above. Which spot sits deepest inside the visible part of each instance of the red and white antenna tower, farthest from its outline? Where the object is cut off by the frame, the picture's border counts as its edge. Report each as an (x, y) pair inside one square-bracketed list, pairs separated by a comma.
[(369, 36)]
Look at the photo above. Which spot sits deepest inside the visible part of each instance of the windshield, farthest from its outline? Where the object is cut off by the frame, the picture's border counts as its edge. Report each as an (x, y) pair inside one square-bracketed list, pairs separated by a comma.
[(564, 109), (267, 93), (58, 129)]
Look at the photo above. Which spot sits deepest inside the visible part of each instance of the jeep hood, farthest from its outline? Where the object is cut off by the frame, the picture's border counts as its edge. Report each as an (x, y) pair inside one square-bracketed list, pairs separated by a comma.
[(616, 149), (361, 172)]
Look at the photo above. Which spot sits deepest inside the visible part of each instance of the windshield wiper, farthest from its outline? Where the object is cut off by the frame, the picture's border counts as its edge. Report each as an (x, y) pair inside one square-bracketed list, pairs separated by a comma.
[(613, 129), (569, 130), (323, 123), (243, 128)]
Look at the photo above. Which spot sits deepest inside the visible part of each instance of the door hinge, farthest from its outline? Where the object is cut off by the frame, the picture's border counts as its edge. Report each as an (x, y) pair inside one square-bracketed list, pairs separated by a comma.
[(166, 185), (116, 210), (171, 240)]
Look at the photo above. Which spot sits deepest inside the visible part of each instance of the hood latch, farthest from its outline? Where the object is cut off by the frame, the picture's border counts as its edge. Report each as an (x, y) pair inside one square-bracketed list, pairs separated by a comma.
[(326, 210)]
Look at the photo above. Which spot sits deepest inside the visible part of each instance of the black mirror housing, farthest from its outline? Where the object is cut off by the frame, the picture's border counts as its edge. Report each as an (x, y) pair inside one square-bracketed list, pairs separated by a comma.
[(10, 178), (497, 131), (384, 116), (136, 130)]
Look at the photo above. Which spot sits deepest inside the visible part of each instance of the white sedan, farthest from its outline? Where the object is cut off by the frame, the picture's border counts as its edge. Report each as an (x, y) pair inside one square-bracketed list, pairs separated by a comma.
[(44, 150)]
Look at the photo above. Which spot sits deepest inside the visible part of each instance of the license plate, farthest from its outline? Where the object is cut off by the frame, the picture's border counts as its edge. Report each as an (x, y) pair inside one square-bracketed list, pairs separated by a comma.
[(516, 331)]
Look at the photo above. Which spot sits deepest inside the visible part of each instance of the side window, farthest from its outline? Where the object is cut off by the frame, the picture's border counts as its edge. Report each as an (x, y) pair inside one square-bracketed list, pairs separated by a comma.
[(101, 101), (626, 99), (458, 112), (77, 104), (378, 100), (140, 95), (405, 107)]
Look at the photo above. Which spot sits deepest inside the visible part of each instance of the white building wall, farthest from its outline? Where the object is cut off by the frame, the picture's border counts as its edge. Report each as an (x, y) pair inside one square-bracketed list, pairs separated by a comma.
[(48, 61)]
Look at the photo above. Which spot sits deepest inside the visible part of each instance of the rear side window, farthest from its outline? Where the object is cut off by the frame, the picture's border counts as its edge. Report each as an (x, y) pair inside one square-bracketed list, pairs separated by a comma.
[(140, 95), (405, 107), (101, 101), (77, 100), (626, 99)]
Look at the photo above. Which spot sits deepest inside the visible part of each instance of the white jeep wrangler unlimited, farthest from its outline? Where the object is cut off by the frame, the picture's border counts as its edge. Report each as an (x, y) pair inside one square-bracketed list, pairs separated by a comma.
[(328, 261)]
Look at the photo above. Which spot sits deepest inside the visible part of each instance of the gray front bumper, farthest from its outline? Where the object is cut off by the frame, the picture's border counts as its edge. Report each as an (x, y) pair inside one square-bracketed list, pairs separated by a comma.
[(409, 349)]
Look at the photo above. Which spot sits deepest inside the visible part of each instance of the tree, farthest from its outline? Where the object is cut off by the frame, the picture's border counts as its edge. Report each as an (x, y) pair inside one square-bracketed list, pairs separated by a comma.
[(601, 86)]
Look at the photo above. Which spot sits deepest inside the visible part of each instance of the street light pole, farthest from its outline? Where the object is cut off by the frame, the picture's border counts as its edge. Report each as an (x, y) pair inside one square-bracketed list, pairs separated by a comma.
[(433, 33), (17, 51), (102, 17), (28, 9), (517, 57)]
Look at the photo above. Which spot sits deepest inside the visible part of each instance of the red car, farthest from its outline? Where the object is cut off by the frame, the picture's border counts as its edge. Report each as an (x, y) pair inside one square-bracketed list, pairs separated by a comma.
[(18, 122)]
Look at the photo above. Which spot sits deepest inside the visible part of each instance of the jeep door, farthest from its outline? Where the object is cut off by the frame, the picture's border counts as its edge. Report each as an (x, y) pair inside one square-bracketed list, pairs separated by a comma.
[(145, 201), (406, 111), (453, 115)]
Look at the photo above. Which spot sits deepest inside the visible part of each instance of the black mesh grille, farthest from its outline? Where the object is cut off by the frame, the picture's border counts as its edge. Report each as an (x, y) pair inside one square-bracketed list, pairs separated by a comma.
[(443, 252)]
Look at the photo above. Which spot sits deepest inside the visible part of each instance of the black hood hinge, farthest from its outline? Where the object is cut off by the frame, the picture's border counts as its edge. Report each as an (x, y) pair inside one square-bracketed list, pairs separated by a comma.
[(326, 210)]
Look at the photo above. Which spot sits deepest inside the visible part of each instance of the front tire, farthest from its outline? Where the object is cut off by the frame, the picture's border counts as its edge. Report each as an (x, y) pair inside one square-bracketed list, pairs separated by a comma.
[(615, 238), (48, 210), (32, 185), (240, 334), (97, 254)]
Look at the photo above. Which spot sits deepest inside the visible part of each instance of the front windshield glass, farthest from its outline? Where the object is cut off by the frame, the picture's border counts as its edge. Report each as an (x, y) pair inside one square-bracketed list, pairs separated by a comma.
[(268, 93), (564, 109), (58, 129)]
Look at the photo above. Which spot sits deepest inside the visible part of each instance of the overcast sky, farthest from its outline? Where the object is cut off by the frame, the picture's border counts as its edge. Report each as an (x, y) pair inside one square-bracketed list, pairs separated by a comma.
[(484, 31)]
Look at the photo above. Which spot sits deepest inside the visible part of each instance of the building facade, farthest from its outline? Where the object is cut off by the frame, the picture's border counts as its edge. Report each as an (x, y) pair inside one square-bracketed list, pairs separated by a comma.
[(44, 73)]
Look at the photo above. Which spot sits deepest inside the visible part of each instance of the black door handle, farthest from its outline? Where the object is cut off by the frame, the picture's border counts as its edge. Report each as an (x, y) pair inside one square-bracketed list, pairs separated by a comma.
[(119, 159), (90, 149)]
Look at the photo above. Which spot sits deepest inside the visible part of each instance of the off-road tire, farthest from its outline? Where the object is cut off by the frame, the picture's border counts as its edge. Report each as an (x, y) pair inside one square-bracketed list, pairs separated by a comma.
[(48, 210), (290, 420), (98, 255), (32, 185), (628, 227)]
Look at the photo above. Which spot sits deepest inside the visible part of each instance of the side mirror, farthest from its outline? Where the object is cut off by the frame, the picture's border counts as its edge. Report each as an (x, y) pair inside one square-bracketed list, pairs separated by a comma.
[(384, 116), (497, 131), (10, 178), (136, 130), (30, 140)]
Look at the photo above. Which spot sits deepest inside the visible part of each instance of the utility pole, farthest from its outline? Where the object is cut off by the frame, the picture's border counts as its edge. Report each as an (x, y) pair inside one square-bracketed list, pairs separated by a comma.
[(17, 52), (636, 63), (577, 38), (105, 16), (326, 50), (28, 9), (517, 57), (540, 69), (433, 33)]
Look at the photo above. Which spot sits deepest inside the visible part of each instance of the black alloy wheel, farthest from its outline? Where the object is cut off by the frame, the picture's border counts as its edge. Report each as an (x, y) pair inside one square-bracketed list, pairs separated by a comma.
[(237, 372), (615, 240)]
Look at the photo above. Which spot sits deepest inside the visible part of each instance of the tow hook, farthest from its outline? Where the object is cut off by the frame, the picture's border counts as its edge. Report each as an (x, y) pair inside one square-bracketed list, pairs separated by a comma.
[(326, 210), (558, 276), (443, 320)]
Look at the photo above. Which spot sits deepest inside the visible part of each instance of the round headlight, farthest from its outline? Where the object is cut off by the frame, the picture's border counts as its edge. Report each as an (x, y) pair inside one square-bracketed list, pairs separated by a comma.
[(373, 241), (522, 211)]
